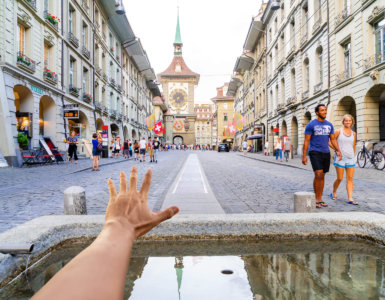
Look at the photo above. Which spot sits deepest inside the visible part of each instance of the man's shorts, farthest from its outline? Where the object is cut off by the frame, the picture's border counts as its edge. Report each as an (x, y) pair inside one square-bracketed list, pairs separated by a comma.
[(344, 162), (320, 161), (151, 152), (142, 151)]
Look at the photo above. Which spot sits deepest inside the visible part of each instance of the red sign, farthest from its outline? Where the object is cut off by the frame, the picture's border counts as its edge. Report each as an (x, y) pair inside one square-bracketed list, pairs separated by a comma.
[(105, 127), (275, 129)]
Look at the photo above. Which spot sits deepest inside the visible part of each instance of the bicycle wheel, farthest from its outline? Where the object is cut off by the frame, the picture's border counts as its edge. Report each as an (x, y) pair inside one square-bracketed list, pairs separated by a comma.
[(361, 159), (379, 161)]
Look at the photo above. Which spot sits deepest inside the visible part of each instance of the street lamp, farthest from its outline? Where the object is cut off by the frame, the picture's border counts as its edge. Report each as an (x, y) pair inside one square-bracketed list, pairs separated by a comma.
[(119, 8)]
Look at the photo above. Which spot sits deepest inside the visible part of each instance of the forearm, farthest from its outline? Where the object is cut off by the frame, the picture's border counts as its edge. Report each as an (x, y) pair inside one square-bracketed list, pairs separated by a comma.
[(335, 145), (98, 272), (305, 147)]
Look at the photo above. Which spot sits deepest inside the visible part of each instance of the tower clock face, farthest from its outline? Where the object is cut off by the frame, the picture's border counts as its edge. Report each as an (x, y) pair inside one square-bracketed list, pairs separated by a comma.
[(178, 98)]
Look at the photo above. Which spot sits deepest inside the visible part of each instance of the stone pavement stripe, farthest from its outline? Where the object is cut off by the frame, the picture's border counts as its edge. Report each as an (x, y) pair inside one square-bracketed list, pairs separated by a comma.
[(191, 191)]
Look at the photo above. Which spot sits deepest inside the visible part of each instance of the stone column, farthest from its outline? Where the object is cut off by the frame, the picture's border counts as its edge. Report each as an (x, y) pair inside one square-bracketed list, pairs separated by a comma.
[(304, 202), (75, 201)]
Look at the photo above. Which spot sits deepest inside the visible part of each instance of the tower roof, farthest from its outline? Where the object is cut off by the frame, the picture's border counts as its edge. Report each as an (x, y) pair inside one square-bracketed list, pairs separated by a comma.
[(178, 38), (178, 68)]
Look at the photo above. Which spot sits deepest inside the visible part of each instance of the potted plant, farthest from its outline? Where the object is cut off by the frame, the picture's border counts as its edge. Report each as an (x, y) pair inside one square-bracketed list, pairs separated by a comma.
[(22, 139)]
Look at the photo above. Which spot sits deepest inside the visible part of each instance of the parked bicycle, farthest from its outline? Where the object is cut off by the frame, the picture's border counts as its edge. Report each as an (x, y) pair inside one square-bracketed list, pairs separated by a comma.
[(375, 157)]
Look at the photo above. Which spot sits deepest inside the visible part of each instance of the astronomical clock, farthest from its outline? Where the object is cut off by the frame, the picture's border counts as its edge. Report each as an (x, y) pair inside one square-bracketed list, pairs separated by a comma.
[(178, 99)]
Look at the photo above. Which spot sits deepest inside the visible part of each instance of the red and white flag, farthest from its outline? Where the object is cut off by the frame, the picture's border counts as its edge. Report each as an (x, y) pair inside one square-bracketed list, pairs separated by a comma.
[(158, 127), (231, 128)]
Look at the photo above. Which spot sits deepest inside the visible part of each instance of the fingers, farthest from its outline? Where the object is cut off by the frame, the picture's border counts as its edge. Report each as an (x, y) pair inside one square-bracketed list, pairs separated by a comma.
[(123, 183), (133, 179), (166, 214), (111, 188), (146, 182)]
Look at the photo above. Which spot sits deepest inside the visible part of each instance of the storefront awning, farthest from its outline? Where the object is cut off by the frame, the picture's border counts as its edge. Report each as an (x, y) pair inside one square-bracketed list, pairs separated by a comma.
[(243, 63), (255, 31), (255, 136)]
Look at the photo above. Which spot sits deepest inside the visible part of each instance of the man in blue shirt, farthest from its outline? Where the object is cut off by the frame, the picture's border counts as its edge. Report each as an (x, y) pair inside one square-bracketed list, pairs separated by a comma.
[(317, 134)]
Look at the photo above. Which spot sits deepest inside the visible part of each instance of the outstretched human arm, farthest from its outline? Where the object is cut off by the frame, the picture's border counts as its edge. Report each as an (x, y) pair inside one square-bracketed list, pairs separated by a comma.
[(305, 147), (99, 271)]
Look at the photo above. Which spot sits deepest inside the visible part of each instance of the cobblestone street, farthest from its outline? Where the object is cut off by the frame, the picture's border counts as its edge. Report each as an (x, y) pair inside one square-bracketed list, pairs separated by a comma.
[(251, 184)]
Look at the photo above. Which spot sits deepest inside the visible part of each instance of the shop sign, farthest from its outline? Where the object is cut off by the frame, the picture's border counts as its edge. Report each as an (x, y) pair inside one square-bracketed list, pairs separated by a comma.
[(71, 111), (275, 129), (36, 90), (258, 130)]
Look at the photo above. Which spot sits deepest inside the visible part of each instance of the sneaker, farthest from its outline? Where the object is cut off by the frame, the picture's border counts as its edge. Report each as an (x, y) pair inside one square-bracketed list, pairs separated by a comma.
[(140, 160)]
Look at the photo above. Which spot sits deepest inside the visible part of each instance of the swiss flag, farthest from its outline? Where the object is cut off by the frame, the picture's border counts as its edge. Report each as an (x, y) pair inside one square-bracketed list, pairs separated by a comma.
[(158, 127)]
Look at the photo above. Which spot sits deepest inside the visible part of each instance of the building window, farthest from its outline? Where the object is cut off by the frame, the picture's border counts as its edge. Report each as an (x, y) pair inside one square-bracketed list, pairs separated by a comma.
[(306, 78), (283, 90), (85, 35), (72, 71), (347, 59), (71, 20), (293, 87), (21, 37), (47, 61), (379, 28), (224, 117), (224, 105), (319, 54), (85, 80)]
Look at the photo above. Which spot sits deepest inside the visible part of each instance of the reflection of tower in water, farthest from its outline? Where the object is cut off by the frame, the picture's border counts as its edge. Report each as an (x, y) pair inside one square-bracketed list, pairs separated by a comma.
[(179, 271)]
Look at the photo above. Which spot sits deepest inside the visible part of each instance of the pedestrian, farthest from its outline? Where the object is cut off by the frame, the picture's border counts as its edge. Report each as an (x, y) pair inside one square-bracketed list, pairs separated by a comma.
[(97, 148), (287, 149), (150, 147), (117, 147), (156, 149), (130, 147), (346, 140), (126, 149), (136, 150), (267, 148), (317, 134), (142, 152), (72, 142), (244, 147), (278, 149)]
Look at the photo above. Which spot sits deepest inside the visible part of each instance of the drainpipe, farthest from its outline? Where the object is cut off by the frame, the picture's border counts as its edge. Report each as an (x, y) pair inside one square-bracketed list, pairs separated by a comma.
[(266, 102), (327, 13), (93, 62), (16, 249), (62, 68)]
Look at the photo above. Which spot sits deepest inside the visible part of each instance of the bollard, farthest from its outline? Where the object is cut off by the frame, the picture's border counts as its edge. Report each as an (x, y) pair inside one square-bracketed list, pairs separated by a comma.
[(75, 201), (304, 202)]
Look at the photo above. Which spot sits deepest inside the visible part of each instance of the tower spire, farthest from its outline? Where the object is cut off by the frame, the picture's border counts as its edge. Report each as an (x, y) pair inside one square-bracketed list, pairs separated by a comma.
[(178, 39)]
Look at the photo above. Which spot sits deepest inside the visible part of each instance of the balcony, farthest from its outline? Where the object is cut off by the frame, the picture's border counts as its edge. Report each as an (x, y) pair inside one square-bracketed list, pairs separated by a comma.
[(98, 106), (98, 70), (119, 116), (104, 76), (291, 51), (345, 13), (50, 76), (73, 39), (373, 61), (31, 3), (345, 75), (304, 36), (52, 20), (105, 110), (73, 90), (318, 87), (86, 52), (113, 113), (317, 25), (87, 98), (305, 95), (119, 88), (25, 63), (291, 101)]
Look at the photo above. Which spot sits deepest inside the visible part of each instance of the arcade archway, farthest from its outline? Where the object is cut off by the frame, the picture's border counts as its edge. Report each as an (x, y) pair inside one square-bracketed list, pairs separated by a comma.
[(47, 117), (24, 103), (294, 134), (373, 126), (347, 105)]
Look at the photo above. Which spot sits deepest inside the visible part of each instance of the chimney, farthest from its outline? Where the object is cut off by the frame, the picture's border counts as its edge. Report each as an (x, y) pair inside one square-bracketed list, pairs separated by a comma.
[(220, 92)]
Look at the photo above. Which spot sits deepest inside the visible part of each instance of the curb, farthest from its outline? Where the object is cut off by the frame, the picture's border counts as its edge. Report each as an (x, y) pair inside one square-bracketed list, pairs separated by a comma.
[(273, 162)]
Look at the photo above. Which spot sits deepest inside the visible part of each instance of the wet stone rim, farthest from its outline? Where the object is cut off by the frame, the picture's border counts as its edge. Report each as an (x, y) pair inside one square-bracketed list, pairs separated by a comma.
[(49, 232)]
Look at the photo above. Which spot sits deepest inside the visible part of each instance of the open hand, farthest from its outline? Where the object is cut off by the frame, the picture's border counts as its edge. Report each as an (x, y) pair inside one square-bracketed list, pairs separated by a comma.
[(131, 207)]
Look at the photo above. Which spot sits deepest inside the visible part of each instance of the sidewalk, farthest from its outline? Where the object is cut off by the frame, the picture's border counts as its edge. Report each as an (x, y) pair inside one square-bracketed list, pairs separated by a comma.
[(367, 173)]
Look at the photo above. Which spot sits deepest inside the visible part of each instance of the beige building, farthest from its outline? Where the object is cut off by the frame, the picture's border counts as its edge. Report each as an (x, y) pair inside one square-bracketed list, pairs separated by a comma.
[(203, 124), (224, 114), (79, 53), (178, 83)]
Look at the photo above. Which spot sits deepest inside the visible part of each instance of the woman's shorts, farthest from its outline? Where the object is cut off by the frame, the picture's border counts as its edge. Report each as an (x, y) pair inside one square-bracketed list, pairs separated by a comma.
[(142, 151), (344, 162), (136, 150), (96, 152)]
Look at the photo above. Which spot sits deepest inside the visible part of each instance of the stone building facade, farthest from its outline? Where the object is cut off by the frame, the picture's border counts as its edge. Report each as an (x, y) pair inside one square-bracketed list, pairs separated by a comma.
[(70, 52), (203, 124)]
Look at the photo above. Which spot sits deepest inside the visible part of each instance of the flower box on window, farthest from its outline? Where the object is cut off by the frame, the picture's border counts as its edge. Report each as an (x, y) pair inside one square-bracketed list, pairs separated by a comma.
[(73, 90), (50, 76), (87, 97), (25, 62), (112, 49), (52, 20)]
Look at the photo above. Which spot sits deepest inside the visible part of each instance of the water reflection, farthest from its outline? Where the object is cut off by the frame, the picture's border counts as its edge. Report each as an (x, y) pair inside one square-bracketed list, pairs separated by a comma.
[(302, 269)]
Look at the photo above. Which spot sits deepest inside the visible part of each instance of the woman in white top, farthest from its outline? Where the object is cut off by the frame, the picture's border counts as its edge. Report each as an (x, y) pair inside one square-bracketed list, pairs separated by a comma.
[(346, 139), (278, 149)]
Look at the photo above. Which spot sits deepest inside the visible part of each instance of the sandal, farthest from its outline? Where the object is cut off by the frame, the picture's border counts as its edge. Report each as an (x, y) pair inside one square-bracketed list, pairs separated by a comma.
[(332, 197), (352, 202), (320, 204)]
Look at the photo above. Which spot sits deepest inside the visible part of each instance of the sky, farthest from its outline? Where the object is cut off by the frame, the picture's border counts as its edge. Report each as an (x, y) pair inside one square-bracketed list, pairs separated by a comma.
[(213, 33)]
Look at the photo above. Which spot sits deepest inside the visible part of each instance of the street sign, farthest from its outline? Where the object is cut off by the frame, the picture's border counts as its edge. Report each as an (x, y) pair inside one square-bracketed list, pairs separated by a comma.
[(71, 111)]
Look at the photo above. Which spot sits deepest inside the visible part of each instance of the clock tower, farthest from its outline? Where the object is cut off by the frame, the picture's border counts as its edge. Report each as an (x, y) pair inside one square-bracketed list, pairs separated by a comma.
[(178, 83)]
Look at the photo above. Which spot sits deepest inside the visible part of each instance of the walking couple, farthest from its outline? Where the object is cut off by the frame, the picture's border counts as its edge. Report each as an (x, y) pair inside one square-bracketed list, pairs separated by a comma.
[(320, 134)]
